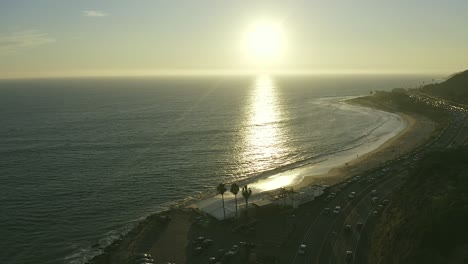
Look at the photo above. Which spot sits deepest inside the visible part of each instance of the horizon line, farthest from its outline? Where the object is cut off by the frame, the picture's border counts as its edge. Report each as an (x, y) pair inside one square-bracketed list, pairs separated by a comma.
[(214, 72)]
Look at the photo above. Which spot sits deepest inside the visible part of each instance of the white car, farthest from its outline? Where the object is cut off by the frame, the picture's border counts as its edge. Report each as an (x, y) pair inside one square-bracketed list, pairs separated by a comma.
[(349, 256), (374, 192), (337, 209), (351, 195), (302, 249), (235, 249)]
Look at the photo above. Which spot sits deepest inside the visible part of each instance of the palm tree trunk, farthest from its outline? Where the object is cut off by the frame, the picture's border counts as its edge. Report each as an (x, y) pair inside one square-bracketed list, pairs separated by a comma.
[(235, 196), (224, 210), (246, 208), (292, 199)]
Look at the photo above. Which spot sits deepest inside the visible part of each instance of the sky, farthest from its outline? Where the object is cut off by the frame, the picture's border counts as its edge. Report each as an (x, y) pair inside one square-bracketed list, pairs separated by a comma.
[(56, 38)]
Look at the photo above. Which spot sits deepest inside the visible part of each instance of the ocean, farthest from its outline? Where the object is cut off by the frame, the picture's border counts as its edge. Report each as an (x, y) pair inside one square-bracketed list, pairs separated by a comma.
[(83, 160)]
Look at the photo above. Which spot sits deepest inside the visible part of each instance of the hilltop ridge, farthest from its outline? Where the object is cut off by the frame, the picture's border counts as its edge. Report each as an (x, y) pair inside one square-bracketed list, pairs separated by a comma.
[(455, 88)]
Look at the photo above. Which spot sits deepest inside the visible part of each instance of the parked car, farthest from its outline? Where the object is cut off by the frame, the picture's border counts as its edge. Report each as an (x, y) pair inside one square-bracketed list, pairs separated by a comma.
[(337, 209), (351, 195), (143, 258), (374, 192)]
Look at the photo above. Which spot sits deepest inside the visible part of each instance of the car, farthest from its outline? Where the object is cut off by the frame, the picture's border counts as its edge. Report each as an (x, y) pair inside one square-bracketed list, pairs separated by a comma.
[(212, 260), (351, 195), (359, 226), (207, 243), (198, 240), (380, 207), (302, 249), (385, 202), (220, 253), (235, 249), (337, 209), (374, 192), (375, 213), (197, 251), (229, 255), (347, 228), (144, 261), (232, 252), (143, 255), (349, 256), (375, 200), (332, 195)]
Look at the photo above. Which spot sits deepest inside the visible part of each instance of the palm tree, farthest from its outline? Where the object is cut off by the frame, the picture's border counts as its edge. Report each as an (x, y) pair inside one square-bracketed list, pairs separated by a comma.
[(246, 192), (291, 191), (282, 194), (235, 190), (221, 190)]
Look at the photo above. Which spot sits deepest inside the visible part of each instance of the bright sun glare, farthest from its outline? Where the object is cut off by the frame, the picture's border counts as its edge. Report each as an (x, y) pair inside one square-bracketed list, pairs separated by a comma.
[(264, 43)]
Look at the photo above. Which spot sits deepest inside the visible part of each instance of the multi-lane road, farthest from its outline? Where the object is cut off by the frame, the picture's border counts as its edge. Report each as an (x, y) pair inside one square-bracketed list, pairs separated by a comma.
[(342, 237)]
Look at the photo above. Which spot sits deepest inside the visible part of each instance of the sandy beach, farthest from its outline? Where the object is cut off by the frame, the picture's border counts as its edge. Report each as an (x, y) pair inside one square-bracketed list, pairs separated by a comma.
[(419, 129), (166, 235)]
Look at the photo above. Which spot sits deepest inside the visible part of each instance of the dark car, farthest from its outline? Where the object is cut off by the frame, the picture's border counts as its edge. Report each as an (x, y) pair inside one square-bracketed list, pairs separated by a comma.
[(359, 226), (197, 251), (207, 243), (347, 228)]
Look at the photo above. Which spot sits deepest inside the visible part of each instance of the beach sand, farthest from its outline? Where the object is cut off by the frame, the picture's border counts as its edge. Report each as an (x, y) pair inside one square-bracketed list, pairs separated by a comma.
[(419, 129), (168, 241)]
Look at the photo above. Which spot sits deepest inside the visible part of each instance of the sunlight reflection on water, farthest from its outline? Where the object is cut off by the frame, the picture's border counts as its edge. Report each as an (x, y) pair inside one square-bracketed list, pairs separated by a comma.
[(264, 137)]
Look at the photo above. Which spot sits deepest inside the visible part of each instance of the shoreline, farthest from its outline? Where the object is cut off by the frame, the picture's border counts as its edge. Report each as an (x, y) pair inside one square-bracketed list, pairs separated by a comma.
[(168, 238), (418, 130)]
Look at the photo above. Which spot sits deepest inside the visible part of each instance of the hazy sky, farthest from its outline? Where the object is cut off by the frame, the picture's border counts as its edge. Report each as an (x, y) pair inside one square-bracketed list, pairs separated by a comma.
[(65, 37)]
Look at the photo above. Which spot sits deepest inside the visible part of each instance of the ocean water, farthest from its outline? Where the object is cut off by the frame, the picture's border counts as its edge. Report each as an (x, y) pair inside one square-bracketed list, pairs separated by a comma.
[(82, 160)]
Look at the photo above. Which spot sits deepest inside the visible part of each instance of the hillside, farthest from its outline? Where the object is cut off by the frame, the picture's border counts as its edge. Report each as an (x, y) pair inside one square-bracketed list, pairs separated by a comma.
[(454, 89), (398, 101), (426, 220)]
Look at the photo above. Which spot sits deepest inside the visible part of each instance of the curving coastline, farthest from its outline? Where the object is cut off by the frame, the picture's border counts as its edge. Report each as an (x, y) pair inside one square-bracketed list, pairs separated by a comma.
[(417, 131), (154, 232)]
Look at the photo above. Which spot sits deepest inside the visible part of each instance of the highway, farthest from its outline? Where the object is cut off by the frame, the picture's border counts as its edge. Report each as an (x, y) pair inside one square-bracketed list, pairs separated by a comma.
[(326, 238)]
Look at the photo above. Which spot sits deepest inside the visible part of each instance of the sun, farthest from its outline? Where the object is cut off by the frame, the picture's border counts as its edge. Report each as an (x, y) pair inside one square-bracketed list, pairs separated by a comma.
[(264, 42)]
